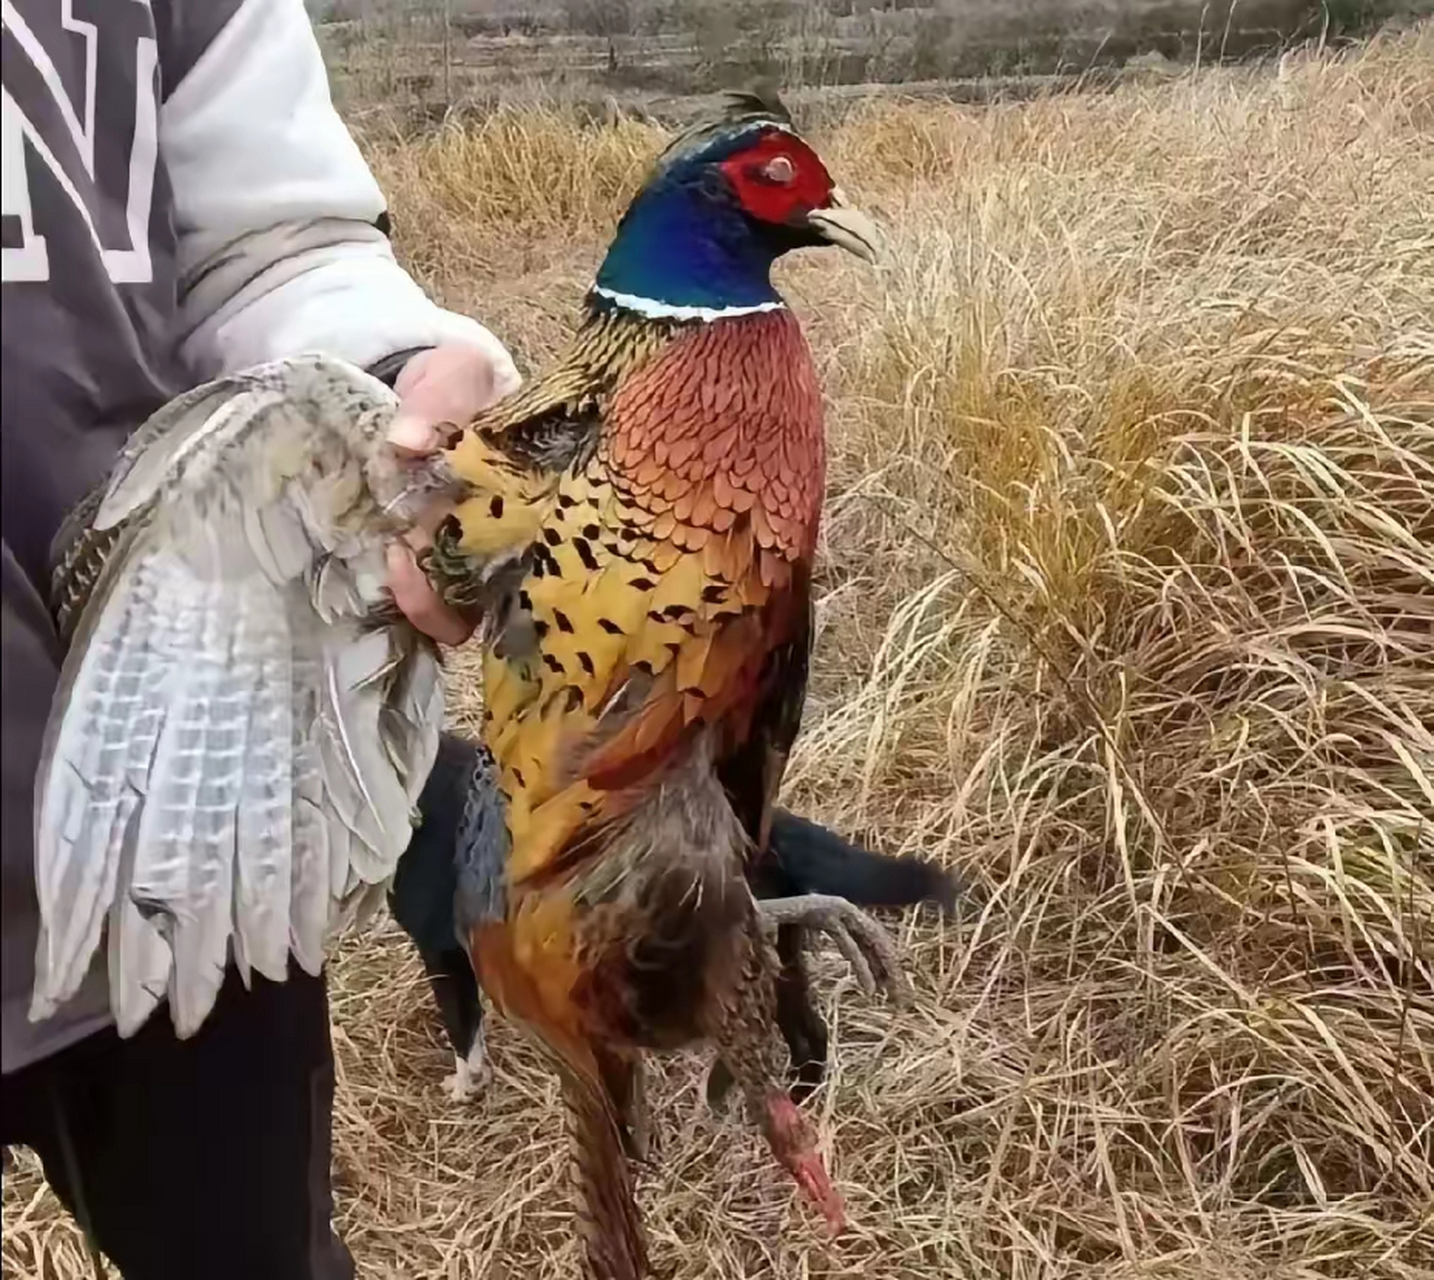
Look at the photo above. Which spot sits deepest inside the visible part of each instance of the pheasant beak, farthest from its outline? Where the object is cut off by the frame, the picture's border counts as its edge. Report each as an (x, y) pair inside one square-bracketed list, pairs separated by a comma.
[(849, 228)]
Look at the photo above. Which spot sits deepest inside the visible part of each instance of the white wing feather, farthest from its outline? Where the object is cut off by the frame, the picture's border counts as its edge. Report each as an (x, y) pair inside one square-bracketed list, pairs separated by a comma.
[(233, 761)]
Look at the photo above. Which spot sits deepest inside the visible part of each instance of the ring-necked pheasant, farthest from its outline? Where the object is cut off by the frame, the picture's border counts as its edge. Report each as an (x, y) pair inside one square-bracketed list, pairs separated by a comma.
[(648, 661), (243, 727)]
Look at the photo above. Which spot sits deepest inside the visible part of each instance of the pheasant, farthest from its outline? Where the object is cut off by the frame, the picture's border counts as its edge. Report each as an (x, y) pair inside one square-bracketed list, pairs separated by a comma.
[(647, 656), (244, 724)]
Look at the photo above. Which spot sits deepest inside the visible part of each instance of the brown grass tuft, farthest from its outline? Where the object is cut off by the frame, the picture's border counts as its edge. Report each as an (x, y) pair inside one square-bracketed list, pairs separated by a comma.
[(492, 196), (1127, 613)]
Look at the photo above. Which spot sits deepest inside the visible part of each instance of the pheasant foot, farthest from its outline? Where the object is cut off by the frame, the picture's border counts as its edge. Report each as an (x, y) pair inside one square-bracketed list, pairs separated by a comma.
[(867, 946), (638, 1120)]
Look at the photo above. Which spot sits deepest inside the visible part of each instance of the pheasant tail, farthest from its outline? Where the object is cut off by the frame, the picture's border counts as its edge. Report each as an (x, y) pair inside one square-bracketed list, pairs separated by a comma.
[(612, 1231)]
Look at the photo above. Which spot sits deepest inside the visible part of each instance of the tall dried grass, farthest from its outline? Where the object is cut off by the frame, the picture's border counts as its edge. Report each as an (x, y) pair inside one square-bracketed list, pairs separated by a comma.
[(1127, 613)]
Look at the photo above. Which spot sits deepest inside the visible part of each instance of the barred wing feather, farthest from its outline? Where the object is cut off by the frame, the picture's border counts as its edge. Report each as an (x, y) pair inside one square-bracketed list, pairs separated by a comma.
[(235, 752)]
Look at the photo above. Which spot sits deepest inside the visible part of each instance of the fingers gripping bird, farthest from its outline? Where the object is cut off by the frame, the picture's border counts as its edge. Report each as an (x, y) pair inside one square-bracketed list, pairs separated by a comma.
[(244, 724)]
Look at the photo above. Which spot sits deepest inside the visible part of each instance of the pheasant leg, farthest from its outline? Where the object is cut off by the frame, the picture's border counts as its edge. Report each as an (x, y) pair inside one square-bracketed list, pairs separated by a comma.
[(746, 1043), (639, 1118), (625, 1081)]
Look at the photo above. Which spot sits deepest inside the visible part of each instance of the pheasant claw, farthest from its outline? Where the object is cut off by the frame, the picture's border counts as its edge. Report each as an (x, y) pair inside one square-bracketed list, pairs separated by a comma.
[(867, 946)]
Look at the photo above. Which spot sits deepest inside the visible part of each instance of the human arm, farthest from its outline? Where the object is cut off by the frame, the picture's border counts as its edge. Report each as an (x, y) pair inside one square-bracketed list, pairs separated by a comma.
[(281, 248), (277, 216)]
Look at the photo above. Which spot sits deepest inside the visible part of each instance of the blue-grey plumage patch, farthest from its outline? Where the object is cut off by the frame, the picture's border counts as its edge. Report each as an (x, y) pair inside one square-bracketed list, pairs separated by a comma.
[(482, 849)]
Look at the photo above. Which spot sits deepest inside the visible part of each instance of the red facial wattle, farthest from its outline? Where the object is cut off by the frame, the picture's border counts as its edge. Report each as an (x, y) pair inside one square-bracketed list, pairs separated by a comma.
[(755, 178)]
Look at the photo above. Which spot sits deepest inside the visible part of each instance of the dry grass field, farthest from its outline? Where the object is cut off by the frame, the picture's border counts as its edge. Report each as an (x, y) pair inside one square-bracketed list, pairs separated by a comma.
[(1127, 613)]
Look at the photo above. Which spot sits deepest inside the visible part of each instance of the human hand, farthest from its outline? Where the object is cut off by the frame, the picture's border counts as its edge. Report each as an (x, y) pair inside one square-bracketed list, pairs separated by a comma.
[(441, 388)]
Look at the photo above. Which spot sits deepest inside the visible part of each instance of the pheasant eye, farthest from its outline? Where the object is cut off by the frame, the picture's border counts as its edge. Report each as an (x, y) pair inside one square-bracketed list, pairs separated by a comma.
[(781, 170)]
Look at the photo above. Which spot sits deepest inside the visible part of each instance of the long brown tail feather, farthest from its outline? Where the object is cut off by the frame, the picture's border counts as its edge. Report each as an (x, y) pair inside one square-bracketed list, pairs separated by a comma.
[(612, 1229)]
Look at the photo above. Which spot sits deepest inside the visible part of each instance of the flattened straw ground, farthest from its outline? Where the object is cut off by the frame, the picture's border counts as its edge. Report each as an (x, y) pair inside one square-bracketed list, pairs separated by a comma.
[(1128, 614)]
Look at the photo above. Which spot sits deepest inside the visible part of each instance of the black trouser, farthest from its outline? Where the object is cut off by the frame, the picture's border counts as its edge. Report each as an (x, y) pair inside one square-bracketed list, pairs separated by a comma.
[(198, 1159)]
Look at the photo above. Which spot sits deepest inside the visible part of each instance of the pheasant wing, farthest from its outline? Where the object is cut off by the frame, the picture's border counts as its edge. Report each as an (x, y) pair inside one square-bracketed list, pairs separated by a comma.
[(233, 757)]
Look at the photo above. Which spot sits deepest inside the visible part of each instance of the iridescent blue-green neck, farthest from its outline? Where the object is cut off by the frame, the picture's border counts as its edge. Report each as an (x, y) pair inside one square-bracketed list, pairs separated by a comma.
[(686, 251)]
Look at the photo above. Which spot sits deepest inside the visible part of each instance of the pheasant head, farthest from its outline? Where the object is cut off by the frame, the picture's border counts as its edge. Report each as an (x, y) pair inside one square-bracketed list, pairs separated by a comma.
[(723, 203)]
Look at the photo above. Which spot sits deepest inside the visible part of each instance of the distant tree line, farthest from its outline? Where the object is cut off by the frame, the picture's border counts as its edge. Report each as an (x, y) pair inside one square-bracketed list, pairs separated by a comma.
[(613, 18), (708, 43), (1339, 18)]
